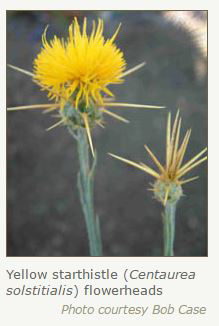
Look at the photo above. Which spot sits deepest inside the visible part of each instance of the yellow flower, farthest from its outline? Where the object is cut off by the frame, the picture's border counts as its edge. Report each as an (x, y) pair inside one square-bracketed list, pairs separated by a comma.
[(76, 73), (169, 176), (82, 66)]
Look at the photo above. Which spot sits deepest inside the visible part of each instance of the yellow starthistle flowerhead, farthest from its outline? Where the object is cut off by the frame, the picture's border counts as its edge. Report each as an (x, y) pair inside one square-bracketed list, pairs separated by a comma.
[(76, 73), (167, 186), (82, 66)]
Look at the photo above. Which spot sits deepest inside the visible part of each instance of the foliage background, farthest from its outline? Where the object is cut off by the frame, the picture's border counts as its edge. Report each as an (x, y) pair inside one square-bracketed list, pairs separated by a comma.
[(43, 211)]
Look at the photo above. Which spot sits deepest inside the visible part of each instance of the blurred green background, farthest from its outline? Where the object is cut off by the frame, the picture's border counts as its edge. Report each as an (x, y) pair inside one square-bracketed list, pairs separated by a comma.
[(44, 216)]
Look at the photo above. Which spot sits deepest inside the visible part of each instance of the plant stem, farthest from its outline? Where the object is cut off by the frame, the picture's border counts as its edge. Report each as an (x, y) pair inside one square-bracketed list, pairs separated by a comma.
[(169, 228), (86, 190)]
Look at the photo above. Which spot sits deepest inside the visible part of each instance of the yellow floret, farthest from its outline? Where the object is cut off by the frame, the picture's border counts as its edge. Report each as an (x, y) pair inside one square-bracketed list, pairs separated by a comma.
[(81, 67)]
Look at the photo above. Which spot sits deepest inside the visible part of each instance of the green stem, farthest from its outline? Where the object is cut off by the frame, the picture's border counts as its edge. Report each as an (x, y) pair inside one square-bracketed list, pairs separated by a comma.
[(169, 228), (85, 185)]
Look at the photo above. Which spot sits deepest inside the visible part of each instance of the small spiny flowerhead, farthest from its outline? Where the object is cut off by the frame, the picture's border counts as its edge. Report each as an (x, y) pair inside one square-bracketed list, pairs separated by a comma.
[(168, 184), (81, 67)]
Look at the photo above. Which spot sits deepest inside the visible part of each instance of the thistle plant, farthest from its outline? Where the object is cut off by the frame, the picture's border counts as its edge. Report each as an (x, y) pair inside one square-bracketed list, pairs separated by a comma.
[(167, 187), (76, 73)]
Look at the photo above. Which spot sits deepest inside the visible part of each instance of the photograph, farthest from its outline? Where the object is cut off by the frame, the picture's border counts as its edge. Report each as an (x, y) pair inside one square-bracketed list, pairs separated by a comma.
[(107, 133)]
